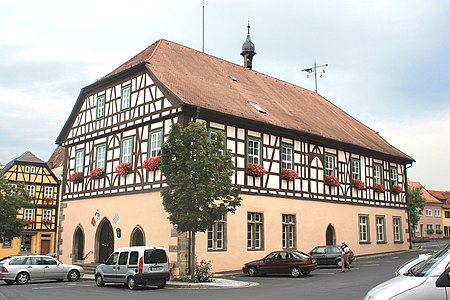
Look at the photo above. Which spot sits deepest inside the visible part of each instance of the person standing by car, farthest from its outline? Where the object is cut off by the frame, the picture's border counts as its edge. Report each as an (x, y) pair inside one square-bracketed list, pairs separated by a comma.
[(345, 252)]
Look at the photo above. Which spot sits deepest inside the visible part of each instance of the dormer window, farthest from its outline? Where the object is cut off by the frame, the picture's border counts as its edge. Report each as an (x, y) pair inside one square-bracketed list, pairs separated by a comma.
[(257, 107)]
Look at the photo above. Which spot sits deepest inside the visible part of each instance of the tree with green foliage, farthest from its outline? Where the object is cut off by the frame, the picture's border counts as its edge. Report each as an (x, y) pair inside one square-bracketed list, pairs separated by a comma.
[(198, 174), (12, 198), (416, 204)]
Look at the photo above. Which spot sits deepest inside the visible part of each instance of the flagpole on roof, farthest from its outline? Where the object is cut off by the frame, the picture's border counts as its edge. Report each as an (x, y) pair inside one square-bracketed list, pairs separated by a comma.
[(203, 28)]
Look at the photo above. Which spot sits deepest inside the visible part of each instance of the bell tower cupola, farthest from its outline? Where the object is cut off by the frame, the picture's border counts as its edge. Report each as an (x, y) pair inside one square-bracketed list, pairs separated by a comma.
[(248, 50)]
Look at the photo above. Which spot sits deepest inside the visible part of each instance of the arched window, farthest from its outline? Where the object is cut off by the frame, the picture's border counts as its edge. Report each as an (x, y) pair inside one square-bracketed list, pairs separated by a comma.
[(331, 235), (78, 244), (137, 237)]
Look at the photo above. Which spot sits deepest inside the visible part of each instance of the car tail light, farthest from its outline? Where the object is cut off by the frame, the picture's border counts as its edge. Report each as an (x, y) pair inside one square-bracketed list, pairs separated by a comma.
[(308, 261), (141, 265), (4, 270)]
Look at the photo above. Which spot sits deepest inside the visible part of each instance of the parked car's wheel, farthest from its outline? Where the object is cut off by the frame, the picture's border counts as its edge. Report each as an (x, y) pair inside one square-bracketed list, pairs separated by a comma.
[(9, 281), (338, 263), (22, 278), (252, 272), (161, 286), (73, 275), (295, 272), (99, 280), (131, 283)]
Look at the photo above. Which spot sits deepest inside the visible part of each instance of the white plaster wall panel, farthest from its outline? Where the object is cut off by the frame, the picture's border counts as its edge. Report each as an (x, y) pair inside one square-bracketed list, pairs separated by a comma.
[(254, 133), (241, 134), (231, 132)]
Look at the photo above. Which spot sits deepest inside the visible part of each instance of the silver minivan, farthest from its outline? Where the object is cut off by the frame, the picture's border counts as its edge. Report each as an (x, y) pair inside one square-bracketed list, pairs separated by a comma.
[(134, 266), (430, 280)]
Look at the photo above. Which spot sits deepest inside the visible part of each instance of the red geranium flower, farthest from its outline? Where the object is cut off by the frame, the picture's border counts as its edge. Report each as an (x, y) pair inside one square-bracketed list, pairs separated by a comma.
[(255, 170), (380, 187), (76, 177), (288, 174), (397, 189), (97, 173), (123, 168), (331, 180), (358, 184), (152, 163)]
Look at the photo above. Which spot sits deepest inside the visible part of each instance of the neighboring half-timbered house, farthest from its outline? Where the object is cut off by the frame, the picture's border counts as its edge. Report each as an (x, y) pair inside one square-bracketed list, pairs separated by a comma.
[(327, 177), (39, 235)]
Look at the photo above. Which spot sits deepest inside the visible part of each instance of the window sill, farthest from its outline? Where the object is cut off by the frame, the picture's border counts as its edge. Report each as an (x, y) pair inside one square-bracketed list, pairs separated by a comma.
[(364, 243), (382, 242)]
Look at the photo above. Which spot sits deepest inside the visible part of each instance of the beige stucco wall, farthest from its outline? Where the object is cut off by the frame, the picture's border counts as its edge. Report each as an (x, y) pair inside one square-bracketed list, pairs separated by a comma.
[(144, 209), (312, 217)]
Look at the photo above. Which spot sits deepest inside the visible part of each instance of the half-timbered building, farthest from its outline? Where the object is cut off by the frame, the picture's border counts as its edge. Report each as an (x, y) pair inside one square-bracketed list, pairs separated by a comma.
[(309, 173), (39, 235)]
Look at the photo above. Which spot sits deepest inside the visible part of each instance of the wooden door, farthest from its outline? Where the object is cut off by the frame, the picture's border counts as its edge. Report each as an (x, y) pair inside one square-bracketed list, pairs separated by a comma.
[(45, 246)]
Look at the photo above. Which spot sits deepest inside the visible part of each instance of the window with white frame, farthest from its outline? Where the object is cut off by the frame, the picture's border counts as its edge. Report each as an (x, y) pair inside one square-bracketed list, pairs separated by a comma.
[(355, 168), (6, 243), (364, 228), (381, 237), (287, 157), (47, 214), (255, 232), (79, 160), (213, 137), (330, 164), (397, 229), (126, 97), (437, 212), (48, 192), (216, 235), (30, 169), (100, 156), (377, 174), (393, 176), (101, 106), (438, 228), (127, 150), (253, 151), (288, 238), (156, 140), (430, 228), (28, 214), (31, 189), (428, 212)]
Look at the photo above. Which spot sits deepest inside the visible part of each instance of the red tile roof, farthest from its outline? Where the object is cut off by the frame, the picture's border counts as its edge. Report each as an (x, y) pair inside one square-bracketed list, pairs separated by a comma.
[(57, 158), (205, 81), (425, 193)]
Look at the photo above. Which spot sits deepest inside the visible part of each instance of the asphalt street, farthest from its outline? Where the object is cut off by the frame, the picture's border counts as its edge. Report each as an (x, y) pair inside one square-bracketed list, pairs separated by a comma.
[(323, 284)]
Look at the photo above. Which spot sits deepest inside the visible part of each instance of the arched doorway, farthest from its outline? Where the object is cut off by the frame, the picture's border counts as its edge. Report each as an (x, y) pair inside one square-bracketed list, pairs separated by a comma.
[(104, 240), (78, 244), (331, 235), (137, 237)]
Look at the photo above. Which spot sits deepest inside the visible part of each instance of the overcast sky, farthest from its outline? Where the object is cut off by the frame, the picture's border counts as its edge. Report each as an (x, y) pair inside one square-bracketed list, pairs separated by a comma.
[(389, 61)]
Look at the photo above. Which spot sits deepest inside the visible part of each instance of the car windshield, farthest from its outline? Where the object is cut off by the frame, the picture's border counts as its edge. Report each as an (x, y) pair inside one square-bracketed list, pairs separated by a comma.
[(426, 267)]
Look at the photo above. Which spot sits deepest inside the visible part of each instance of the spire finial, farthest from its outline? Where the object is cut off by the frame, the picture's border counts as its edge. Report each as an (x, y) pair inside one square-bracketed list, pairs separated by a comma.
[(248, 49)]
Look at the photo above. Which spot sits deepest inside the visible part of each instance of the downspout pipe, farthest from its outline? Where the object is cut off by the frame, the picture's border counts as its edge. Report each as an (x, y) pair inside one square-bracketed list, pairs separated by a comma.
[(410, 229)]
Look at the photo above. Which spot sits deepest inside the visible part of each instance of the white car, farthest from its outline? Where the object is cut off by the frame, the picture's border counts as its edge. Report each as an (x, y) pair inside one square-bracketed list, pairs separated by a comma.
[(21, 269), (429, 280), (410, 264)]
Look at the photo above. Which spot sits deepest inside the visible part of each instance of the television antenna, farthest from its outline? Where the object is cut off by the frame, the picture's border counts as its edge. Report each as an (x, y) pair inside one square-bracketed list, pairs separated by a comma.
[(314, 71)]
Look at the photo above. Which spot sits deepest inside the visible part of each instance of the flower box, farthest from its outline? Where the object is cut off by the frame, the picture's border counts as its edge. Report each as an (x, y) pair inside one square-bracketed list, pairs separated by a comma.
[(152, 163), (123, 168), (76, 177), (288, 174), (97, 173), (438, 231), (47, 221), (397, 189), (358, 184), (430, 231), (331, 180), (255, 170), (379, 187), (30, 221), (49, 199)]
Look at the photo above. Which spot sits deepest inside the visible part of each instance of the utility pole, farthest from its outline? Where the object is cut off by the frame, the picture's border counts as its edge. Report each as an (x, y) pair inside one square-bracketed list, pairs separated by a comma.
[(313, 70)]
